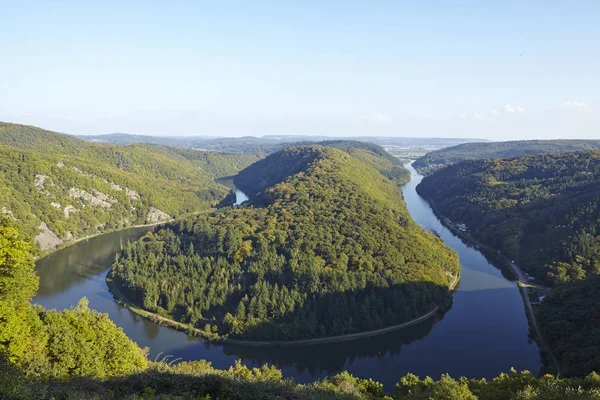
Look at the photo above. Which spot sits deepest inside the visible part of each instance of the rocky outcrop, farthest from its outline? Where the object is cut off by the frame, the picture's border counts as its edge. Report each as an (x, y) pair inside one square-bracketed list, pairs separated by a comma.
[(40, 181), (6, 211), (47, 239), (55, 205), (68, 210), (132, 194), (96, 199), (155, 215)]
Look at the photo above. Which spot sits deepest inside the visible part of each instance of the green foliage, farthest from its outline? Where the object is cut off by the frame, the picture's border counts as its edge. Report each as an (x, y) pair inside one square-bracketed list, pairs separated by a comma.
[(78, 342), (18, 284), (82, 342), (326, 246), (570, 316), (542, 211), (105, 187), (199, 380), (438, 159)]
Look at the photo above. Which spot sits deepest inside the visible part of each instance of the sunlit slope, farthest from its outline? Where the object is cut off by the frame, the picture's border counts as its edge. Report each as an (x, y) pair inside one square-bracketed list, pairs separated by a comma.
[(62, 188), (325, 246)]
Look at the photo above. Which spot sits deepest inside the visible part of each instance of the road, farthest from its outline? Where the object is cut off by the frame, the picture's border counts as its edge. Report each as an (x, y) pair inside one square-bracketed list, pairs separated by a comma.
[(523, 285)]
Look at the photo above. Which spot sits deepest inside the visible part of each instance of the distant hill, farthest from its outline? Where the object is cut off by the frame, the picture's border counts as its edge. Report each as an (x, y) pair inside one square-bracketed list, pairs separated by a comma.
[(266, 144), (325, 246), (61, 188), (469, 151)]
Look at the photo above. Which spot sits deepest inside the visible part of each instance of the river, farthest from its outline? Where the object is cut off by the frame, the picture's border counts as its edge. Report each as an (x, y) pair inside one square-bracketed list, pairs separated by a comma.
[(485, 332)]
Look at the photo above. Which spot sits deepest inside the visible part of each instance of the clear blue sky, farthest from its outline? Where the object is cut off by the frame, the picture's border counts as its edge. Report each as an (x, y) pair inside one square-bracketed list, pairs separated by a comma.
[(496, 69)]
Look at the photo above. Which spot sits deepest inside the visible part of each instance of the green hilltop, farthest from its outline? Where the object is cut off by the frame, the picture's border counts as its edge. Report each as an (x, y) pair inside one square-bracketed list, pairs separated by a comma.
[(325, 246)]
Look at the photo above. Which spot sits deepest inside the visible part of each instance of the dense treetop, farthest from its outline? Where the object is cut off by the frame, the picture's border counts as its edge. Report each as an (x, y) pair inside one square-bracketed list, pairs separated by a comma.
[(78, 188), (325, 246), (570, 316), (469, 151), (51, 344), (542, 210)]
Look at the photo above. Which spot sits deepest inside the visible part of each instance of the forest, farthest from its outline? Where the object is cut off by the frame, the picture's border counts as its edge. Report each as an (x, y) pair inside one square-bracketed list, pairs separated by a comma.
[(543, 211), (570, 315), (439, 159), (81, 354), (64, 188), (325, 246)]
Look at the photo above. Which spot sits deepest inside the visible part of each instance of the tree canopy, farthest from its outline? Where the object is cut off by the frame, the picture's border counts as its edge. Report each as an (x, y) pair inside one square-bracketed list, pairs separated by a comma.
[(325, 246)]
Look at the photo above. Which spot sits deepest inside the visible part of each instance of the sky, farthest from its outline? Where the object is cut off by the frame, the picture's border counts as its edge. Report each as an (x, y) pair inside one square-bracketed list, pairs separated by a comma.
[(500, 70)]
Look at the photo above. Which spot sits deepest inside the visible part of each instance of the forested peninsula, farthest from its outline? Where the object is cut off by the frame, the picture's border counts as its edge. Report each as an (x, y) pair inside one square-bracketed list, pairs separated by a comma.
[(543, 211), (60, 188), (325, 246)]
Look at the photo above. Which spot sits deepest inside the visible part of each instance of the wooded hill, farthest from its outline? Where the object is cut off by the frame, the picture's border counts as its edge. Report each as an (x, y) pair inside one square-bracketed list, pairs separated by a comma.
[(542, 211), (325, 246), (438, 159), (61, 188)]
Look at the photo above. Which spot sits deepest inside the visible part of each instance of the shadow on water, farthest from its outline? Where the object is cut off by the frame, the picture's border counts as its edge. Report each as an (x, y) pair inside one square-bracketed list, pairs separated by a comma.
[(325, 359)]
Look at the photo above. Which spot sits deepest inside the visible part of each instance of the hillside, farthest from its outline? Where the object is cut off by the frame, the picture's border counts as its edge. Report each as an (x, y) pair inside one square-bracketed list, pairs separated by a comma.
[(61, 188), (542, 211), (325, 246), (438, 159)]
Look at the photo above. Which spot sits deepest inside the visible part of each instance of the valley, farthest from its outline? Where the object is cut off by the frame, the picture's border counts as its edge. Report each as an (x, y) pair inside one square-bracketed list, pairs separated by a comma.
[(483, 333)]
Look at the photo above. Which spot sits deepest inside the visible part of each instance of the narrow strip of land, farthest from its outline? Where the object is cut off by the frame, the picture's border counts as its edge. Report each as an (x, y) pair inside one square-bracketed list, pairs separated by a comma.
[(249, 343)]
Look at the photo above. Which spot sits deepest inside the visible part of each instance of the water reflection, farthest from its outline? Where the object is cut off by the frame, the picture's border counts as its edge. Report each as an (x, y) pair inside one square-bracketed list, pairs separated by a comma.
[(83, 261)]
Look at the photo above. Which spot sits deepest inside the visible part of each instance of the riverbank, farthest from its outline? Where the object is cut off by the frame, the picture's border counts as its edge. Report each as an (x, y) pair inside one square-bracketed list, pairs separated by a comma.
[(153, 317), (522, 284)]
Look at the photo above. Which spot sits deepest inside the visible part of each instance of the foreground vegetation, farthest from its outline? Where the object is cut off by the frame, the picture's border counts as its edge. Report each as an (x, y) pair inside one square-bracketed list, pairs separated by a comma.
[(439, 159), (62, 188), (325, 247), (542, 211)]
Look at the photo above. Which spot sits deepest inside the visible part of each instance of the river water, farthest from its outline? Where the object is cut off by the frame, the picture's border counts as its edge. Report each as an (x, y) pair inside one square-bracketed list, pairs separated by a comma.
[(485, 332)]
